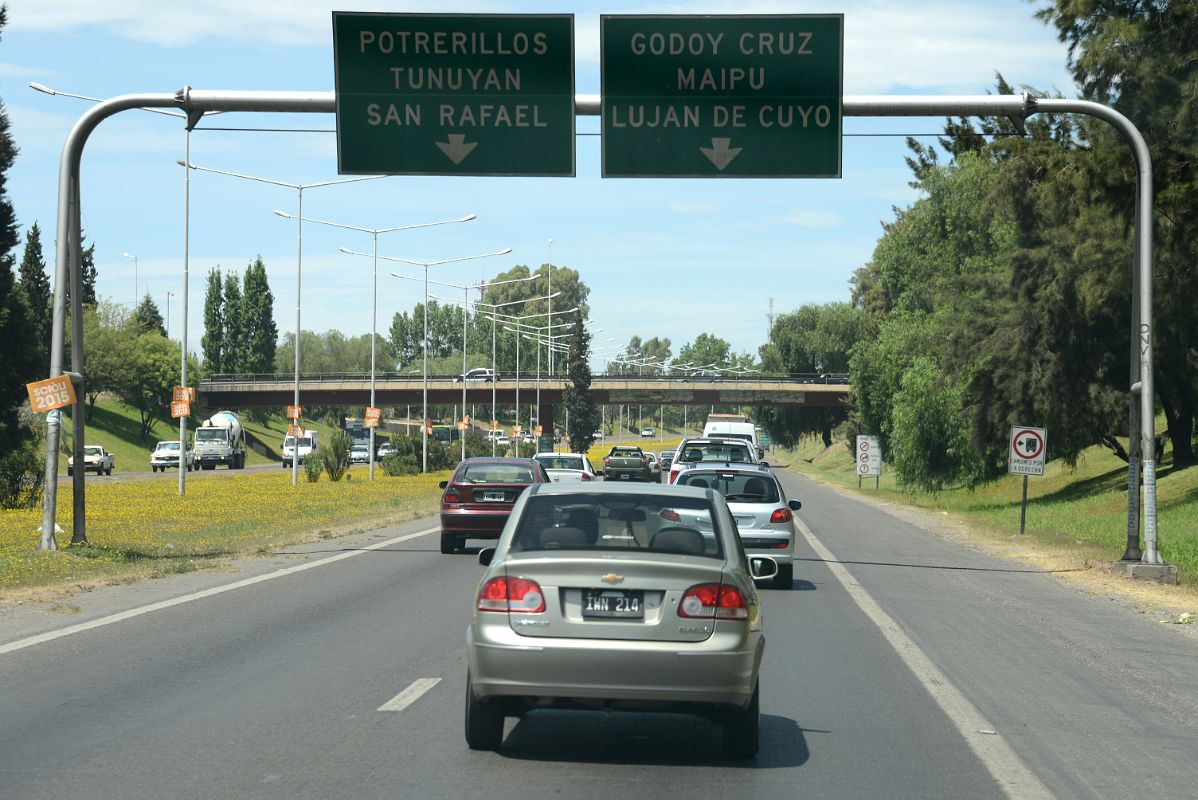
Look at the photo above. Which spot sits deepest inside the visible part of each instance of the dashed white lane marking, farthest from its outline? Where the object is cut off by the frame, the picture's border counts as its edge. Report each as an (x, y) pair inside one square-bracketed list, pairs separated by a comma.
[(409, 695), (1015, 779), (50, 636)]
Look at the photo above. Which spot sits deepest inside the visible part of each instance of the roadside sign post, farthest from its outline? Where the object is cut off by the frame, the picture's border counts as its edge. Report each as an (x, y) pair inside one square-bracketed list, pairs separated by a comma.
[(722, 96), (1026, 456), (454, 94), (869, 459)]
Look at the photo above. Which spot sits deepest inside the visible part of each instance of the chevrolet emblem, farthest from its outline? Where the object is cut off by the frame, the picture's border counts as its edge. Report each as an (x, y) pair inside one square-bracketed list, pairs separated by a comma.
[(611, 577)]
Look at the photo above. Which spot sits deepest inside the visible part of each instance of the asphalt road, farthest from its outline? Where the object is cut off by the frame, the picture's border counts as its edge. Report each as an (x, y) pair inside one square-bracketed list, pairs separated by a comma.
[(901, 665)]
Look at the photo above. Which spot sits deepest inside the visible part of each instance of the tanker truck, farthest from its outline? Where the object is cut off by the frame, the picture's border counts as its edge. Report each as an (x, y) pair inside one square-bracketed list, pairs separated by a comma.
[(220, 440)]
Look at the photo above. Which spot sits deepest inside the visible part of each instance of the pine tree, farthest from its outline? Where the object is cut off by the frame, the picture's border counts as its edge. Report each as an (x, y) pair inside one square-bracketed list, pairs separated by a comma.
[(18, 361), (212, 345), (35, 284), (147, 317), (261, 333), (235, 330), (580, 404)]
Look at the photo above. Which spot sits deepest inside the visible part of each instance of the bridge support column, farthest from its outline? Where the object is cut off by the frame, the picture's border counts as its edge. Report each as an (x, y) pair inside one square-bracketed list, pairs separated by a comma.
[(545, 418)]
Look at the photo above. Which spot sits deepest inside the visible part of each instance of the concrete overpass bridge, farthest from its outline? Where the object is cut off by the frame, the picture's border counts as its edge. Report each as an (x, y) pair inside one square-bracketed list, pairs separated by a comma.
[(353, 390)]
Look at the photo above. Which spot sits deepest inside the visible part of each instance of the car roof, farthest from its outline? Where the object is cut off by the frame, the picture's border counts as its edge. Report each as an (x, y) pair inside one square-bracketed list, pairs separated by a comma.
[(495, 460), (619, 488), (759, 470), (550, 453)]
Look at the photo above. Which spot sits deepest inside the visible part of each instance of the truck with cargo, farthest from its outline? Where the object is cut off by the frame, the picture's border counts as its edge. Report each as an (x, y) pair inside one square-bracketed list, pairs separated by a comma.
[(220, 439)]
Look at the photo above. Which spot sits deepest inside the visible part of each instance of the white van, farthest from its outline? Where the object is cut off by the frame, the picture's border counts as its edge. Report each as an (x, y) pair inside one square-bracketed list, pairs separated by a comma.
[(308, 444), (727, 429)]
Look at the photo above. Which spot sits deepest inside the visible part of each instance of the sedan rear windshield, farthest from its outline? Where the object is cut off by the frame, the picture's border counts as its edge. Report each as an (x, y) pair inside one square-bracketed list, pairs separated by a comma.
[(496, 473), (737, 487), (660, 523), (561, 462), (726, 452)]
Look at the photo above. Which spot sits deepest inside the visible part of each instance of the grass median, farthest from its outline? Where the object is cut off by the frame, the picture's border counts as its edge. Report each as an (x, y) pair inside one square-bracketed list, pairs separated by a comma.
[(143, 528), (1075, 515)]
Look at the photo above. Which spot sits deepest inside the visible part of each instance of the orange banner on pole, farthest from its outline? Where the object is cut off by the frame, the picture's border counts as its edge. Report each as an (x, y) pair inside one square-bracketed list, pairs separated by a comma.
[(183, 394), (294, 412), (51, 393), (180, 408)]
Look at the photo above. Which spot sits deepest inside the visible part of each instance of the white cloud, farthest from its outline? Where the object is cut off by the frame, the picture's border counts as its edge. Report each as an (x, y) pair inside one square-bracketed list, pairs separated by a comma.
[(937, 46)]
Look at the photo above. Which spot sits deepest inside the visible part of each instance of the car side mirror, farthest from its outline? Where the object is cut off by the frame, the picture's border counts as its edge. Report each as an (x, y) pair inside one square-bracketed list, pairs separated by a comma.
[(795, 505), (444, 484), (765, 464), (763, 568), (485, 555)]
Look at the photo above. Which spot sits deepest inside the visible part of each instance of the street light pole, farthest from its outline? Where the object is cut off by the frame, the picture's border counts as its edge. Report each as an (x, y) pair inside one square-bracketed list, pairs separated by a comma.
[(299, 261), (169, 295), (426, 265), (465, 310), (374, 303)]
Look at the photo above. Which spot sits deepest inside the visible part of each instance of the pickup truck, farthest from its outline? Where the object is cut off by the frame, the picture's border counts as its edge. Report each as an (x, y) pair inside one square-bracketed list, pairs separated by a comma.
[(95, 459), (627, 464), (166, 454)]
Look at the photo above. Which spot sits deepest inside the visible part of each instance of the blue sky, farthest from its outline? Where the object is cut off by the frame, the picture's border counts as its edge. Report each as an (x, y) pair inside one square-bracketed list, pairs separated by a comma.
[(670, 258)]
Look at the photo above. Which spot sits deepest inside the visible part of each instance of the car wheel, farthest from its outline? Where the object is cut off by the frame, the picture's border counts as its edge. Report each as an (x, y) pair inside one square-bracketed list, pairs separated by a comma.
[(449, 544), (484, 721), (740, 729), (785, 577)]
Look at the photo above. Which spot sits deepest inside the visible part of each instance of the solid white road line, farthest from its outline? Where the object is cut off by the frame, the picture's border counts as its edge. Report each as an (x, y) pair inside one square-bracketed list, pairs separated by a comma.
[(409, 695), (1016, 780), (21, 644)]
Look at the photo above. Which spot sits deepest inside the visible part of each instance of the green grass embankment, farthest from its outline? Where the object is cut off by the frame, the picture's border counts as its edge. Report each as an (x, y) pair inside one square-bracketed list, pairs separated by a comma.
[(116, 426), (1079, 512)]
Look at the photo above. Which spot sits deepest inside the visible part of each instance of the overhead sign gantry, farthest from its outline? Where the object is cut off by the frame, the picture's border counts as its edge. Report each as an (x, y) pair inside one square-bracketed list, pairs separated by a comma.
[(454, 94), (722, 96)]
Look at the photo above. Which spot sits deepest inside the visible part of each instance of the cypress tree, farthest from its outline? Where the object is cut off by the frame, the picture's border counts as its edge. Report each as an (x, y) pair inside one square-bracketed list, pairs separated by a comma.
[(212, 345)]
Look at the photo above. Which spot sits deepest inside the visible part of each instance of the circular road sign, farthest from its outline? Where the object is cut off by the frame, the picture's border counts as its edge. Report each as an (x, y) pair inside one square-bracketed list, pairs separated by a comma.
[(1027, 443)]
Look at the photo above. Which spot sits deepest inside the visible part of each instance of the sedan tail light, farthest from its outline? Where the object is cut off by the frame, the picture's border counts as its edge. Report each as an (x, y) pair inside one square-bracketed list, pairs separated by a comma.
[(713, 601), (781, 515), (586, 476), (451, 496), (519, 595)]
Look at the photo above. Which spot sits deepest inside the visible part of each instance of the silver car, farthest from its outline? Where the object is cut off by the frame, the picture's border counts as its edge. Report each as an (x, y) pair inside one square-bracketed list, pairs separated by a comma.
[(764, 517), (594, 598)]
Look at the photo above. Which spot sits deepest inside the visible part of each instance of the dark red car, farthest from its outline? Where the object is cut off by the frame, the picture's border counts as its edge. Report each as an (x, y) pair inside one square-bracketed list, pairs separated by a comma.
[(478, 498)]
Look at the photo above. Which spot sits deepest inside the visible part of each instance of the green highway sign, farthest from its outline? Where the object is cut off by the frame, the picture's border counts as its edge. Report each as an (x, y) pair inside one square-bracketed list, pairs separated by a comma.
[(722, 96), (454, 94)]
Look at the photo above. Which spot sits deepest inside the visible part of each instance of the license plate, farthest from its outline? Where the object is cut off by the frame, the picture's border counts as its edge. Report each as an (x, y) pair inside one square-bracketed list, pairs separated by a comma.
[(493, 497), (613, 604)]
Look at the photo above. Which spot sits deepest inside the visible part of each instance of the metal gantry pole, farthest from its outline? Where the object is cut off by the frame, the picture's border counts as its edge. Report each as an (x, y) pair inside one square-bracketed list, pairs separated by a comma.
[(590, 105), (374, 326), (186, 282), (299, 260)]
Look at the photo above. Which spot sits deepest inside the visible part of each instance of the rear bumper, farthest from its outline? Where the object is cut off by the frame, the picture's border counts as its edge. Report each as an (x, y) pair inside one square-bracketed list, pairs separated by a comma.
[(721, 670), (480, 523)]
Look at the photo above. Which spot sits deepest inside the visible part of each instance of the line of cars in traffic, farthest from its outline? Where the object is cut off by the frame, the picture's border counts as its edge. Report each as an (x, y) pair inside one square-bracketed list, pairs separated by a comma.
[(626, 594)]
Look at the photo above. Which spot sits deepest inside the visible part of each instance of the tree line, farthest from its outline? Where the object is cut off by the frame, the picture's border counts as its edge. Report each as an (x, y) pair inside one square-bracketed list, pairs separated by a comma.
[(1003, 295)]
